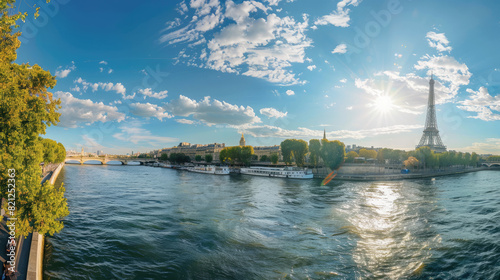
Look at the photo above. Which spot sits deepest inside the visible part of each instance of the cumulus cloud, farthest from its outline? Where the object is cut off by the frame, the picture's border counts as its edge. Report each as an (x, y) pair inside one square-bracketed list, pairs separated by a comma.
[(103, 62), (339, 17), (342, 48), (117, 87), (63, 73), (290, 92), (272, 113), (149, 110), (447, 69), (438, 41), (76, 111), (184, 121), (301, 132), (343, 81), (249, 44), (149, 92), (212, 112), (311, 67), (481, 102)]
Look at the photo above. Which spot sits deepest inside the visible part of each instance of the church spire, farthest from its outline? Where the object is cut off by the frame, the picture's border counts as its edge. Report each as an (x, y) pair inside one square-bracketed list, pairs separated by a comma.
[(324, 134)]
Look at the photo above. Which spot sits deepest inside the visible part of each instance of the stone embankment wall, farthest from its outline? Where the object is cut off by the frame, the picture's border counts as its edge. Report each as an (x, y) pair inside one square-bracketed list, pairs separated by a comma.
[(35, 261)]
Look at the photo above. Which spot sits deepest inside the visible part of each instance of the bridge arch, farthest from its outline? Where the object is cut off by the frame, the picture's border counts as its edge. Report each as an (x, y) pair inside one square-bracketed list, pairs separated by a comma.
[(92, 160)]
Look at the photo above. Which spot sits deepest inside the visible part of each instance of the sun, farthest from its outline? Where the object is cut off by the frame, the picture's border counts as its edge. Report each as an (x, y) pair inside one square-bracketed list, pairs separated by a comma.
[(383, 104)]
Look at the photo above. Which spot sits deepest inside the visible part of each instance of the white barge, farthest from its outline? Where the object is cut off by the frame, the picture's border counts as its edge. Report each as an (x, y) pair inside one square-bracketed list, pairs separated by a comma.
[(210, 169), (280, 172)]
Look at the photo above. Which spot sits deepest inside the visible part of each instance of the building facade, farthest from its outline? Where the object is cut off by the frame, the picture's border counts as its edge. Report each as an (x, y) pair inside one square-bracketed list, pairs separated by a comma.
[(192, 150)]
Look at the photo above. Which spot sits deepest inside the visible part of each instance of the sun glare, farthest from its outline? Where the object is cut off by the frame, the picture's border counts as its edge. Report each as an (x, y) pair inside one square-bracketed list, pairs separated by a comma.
[(383, 104)]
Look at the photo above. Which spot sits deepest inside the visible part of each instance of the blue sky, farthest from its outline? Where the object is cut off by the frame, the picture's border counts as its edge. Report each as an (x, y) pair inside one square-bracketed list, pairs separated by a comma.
[(141, 76)]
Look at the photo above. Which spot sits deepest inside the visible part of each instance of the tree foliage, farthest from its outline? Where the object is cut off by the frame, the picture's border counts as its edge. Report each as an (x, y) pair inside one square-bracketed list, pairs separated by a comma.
[(209, 158), (26, 109), (367, 153), (351, 155), (53, 152), (179, 158), (197, 158), (274, 158), (237, 154), (293, 149), (314, 149), (263, 158), (411, 162), (164, 157), (332, 153)]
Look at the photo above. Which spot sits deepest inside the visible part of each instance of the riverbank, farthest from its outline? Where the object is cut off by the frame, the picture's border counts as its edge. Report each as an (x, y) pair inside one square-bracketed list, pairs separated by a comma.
[(29, 250)]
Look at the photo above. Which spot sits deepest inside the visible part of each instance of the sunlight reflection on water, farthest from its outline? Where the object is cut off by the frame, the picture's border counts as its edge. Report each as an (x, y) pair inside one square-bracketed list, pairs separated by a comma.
[(384, 230)]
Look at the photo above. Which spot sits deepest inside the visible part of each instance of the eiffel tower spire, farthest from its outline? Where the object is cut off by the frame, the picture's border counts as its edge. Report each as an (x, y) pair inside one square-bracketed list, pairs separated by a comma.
[(430, 137)]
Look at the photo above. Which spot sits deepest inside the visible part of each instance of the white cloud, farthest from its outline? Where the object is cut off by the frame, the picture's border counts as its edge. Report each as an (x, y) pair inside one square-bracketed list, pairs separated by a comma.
[(212, 112), (63, 73), (447, 69), (343, 81), (438, 41), (261, 47), (103, 62), (491, 146), (110, 71), (342, 48), (273, 131), (311, 67), (339, 17), (290, 92), (148, 110), (273, 113), (118, 87), (149, 92), (184, 121), (349, 108), (76, 111), (132, 132), (483, 103)]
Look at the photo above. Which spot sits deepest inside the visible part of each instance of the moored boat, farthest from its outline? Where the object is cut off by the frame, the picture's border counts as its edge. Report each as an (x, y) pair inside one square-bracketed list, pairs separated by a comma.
[(280, 172), (210, 169)]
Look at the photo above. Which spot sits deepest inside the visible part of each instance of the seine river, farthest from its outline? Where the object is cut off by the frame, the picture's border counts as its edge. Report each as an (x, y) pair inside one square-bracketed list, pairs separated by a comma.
[(137, 222)]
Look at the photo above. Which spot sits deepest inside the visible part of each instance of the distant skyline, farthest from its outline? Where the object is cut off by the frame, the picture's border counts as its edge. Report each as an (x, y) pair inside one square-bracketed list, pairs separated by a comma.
[(143, 76)]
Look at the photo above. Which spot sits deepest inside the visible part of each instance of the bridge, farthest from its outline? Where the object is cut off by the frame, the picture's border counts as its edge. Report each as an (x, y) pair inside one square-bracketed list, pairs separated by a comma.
[(491, 163), (105, 159)]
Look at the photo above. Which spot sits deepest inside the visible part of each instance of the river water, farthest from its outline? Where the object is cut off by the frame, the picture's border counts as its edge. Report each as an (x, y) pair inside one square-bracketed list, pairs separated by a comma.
[(137, 222)]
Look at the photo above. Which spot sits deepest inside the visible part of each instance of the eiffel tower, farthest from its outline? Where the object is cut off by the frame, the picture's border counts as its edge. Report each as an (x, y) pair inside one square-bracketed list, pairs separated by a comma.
[(431, 137)]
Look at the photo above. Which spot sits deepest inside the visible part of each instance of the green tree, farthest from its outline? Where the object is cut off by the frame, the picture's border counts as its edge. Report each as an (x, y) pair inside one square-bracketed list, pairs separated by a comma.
[(197, 158), (294, 149), (61, 153), (246, 155), (164, 157), (368, 153), (332, 153), (209, 158), (314, 149), (223, 155), (287, 151), (264, 158), (274, 158), (351, 155), (26, 109)]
